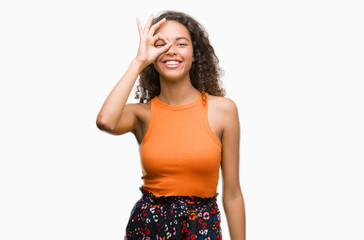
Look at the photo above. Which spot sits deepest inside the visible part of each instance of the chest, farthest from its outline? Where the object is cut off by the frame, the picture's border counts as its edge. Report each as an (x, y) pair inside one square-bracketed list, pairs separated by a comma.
[(214, 122)]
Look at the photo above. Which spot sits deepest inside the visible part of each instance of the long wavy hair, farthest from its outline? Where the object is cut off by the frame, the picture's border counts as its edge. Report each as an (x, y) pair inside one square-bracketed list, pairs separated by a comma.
[(205, 71)]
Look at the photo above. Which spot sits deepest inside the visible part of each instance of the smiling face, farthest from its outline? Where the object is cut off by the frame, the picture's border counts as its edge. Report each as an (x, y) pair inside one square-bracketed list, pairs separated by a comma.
[(174, 64)]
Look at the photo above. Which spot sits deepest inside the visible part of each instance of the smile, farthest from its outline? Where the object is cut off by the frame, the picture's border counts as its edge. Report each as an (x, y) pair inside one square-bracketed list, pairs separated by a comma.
[(172, 63)]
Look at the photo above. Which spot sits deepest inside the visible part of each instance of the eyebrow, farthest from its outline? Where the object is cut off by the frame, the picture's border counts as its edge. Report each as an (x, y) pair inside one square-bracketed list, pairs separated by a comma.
[(179, 38)]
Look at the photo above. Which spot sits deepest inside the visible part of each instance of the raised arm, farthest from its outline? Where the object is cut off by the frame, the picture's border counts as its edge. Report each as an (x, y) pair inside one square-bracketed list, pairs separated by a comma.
[(116, 116), (232, 196)]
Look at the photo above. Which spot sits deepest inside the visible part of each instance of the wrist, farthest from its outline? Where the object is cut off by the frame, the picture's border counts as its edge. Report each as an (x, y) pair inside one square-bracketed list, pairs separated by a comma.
[(139, 63)]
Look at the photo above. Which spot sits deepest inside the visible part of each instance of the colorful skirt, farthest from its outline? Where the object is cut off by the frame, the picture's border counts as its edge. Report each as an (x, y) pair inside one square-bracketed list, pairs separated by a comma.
[(174, 217)]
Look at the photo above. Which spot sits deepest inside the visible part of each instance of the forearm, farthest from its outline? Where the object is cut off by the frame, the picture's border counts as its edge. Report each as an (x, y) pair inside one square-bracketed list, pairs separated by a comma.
[(115, 102), (235, 214)]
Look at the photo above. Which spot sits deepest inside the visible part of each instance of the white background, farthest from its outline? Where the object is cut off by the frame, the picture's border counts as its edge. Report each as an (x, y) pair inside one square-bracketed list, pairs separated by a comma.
[(294, 69)]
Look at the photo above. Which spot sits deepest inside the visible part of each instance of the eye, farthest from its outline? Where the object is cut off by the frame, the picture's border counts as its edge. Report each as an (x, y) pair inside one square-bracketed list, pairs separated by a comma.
[(182, 44), (159, 45)]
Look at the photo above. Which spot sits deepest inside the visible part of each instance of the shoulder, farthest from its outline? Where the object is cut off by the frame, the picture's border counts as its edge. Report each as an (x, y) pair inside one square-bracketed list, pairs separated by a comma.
[(141, 111), (222, 104), (225, 111), (138, 107)]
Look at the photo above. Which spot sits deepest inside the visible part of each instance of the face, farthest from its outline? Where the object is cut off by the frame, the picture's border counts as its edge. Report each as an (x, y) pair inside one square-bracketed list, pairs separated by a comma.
[(174, 64)]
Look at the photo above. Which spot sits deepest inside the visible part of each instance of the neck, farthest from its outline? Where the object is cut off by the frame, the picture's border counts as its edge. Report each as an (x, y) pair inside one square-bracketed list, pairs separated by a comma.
[(177, 93)]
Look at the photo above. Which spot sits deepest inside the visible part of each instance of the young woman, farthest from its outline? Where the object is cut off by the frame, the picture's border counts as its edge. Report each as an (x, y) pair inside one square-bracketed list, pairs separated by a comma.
[(186, 130)]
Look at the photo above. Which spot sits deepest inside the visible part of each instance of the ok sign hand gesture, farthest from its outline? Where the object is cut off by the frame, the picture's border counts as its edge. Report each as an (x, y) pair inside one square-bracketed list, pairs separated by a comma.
[(147, 52)]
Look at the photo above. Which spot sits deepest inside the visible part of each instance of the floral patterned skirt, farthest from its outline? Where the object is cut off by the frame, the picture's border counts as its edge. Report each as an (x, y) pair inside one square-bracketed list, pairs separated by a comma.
[(174, 217)]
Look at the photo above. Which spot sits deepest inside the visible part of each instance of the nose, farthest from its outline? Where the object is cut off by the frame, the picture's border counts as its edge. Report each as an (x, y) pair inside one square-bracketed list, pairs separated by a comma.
[(171, 50)]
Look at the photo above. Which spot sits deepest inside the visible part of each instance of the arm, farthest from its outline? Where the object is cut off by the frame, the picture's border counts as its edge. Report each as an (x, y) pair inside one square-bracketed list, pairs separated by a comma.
[(232, 196), (115, 116)]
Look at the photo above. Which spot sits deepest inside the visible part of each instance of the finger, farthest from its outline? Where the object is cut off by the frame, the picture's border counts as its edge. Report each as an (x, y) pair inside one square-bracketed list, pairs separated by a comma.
[(161, 37), (139, 28), (157, 25), (147, 25), (165, 48)]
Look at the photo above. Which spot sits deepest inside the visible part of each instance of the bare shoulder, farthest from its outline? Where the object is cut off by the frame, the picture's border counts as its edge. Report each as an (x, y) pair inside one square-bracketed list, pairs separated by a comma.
[(222, 114), (224, 105), (139, 109), (143, 105), (141, 112)]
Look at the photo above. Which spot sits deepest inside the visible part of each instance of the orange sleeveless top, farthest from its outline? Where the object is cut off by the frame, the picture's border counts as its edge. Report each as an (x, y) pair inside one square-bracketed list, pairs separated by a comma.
[(180, 154)]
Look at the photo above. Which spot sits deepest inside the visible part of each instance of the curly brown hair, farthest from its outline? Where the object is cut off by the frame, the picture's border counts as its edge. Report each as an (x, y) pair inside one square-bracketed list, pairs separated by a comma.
[(205, 71)]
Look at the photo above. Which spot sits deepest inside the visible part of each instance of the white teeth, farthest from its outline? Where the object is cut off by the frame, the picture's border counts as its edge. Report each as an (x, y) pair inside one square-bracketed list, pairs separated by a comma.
[(172, 62)]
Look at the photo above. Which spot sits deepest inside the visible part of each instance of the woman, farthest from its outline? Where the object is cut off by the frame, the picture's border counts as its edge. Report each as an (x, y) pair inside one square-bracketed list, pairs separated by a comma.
[(186, 130)]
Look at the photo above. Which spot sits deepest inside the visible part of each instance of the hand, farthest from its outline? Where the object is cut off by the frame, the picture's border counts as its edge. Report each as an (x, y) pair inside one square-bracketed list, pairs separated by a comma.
[(148, 52)]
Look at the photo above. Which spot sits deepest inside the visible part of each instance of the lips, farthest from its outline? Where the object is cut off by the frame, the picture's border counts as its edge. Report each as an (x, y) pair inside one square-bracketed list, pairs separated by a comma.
[(171, 63)]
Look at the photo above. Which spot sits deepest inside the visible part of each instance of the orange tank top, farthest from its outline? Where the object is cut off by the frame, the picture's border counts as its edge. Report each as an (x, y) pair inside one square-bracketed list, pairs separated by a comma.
[(180, 154)]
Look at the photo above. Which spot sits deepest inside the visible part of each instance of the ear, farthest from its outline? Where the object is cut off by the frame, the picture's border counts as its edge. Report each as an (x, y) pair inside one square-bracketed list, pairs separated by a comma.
[(193, 59)]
